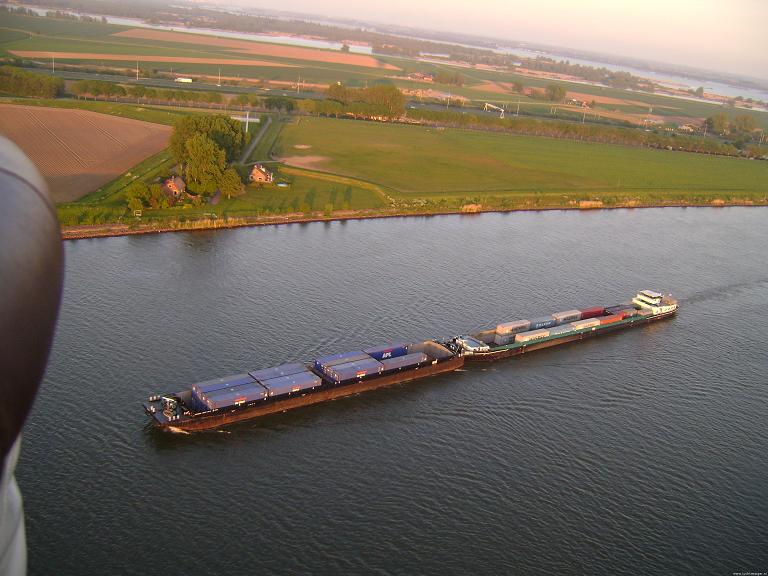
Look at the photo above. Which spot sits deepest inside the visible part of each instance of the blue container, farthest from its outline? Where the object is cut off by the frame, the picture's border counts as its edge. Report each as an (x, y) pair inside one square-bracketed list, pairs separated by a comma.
[(407, 361), (354, 370), (292, 383), (324, 362), (278, 371), (234, 396), (544, 322), (209, 386), (387, 351)]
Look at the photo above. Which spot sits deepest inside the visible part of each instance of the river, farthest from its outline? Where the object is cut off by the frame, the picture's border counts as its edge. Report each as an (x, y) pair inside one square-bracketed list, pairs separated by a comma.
[(642, 452)]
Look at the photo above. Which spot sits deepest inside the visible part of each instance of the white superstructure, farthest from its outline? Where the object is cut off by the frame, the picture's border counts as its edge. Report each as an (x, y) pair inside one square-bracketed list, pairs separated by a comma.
[(655, 302)]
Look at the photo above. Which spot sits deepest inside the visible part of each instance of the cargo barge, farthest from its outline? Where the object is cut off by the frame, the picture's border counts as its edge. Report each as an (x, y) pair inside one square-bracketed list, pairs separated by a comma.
[(222, 401)]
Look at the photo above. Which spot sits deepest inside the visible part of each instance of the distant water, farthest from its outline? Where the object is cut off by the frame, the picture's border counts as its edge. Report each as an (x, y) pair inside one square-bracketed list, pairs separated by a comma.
[(642, 452)]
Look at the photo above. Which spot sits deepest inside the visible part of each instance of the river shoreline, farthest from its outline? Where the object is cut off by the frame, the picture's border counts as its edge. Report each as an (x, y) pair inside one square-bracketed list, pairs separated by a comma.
[(112, 230)]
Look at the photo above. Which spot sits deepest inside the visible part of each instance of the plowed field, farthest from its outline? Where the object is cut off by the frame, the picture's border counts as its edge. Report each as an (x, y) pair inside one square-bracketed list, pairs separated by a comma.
[(77, 151)]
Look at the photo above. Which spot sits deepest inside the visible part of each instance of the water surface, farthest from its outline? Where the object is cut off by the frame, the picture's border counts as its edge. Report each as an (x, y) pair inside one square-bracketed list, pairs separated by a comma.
[(642, 452)]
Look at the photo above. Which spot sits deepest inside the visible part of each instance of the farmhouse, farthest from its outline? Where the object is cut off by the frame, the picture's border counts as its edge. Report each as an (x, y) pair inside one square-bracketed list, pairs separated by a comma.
[(174, 188), (260, 174)]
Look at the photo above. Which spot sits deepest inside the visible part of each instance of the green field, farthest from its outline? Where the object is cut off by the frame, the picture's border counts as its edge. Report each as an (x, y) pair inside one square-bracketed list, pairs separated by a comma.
[(418, 163)]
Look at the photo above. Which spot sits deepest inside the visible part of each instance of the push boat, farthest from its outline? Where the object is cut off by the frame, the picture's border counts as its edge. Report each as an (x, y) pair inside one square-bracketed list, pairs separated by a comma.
[(222, 401)]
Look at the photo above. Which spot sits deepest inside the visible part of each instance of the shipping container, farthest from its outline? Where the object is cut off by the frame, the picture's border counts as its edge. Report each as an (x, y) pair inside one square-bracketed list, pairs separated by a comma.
[(234, 396), (221, 383), (592, 312), (513, 327), (387, 351), (292, 383), (503, 339), (324, 362), (277, 371), (562, 329), (486, 336), (354, 370), (407, 361), (544, 322), (610, 319), (583, 324), (567, 316), (532, 335)]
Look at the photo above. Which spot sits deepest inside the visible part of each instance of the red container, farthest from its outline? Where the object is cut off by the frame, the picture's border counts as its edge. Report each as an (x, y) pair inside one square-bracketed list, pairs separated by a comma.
[(592, 312), (610, 319)]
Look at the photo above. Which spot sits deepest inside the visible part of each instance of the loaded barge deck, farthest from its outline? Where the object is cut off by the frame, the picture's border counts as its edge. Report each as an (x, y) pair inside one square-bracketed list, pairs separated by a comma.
[(223, 401)]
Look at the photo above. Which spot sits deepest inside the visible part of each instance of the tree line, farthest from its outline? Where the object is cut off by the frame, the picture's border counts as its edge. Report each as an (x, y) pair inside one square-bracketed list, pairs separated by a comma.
[(585, 132), (21, 83), (380, 100)]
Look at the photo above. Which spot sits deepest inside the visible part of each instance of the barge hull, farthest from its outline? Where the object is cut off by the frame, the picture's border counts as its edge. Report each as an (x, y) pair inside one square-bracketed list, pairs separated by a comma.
[(207, 422), (494, 356)]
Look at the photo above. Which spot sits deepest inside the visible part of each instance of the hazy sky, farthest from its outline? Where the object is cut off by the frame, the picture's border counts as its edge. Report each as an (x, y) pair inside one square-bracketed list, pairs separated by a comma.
[(728, 35)]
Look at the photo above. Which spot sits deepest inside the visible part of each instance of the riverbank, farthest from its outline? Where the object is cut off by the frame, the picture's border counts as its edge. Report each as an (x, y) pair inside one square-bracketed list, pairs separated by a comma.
[(110, 230)]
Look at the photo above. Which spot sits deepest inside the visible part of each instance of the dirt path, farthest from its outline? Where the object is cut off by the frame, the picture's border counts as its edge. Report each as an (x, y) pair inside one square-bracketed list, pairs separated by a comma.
[(145, 58), (255, 142)]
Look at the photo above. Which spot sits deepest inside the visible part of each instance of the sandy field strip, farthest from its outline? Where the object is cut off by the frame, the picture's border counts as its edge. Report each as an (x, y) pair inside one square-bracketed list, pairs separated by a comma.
[(144, 58), (259, 48), (76, 150), (308, 162)]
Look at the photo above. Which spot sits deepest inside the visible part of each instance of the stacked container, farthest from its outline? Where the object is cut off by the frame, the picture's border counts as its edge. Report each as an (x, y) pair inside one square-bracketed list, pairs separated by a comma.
[(567, 316), (407, 361), (349, 371), (560, 330), (203, 390), (584, 324), (532, 335), (325, 363), (304, 380), (610, 319), (505, 333), (593, 312), (387, 351), (543, 322), (277, 371), (226, 397)]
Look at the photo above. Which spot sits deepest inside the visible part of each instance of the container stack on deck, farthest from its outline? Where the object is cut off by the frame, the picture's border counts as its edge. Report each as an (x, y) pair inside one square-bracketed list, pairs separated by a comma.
[(561, 323), (350, 366), (258, 385)]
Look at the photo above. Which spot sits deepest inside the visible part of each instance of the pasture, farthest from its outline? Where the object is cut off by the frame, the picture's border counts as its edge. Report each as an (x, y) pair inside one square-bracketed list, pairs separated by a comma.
[(417, 163)]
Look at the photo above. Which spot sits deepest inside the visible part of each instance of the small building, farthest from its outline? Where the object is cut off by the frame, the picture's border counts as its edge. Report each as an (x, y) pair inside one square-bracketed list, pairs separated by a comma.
[(260, 174), (174, 188)]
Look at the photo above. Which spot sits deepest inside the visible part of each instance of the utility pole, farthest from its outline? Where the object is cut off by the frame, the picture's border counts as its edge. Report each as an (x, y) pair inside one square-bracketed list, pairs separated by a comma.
[(137, 70), (518, 109), (54, 65), (247, 119)]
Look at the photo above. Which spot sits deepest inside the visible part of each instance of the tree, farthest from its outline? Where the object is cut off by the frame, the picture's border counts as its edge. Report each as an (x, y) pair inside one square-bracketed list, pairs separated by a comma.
[(345, 47), (230, 183), (205, 164), (555, 92), (699, 92), (157, 198), (226, 132), (743, 124), (338, 92), (717, 123), (137, 195), (518, 86), (242, 100)]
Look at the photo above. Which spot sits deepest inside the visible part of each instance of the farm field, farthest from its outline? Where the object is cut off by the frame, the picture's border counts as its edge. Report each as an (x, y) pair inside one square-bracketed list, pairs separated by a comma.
[(91, 43), (435, 164), (76, 150)]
